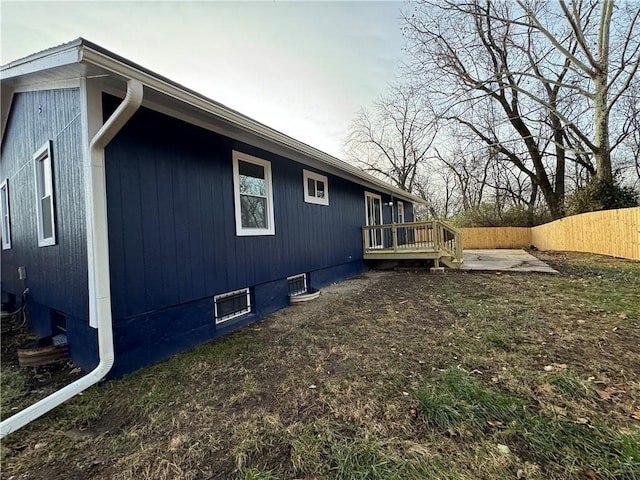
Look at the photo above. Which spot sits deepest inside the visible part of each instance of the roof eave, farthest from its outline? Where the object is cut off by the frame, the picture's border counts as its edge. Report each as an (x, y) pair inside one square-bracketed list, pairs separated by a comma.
[(61, 55), (95, 55), (81, 51)]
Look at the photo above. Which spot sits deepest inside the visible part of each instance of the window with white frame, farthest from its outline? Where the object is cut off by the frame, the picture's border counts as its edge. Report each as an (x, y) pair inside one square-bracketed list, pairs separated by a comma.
[(400, 212), (43, 166), (316, 188), (297, 284), (253, 195), (4, 211), (231, 305)]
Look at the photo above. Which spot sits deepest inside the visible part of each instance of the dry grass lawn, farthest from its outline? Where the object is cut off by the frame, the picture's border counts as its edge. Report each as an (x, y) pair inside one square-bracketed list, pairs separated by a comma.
[(392, 375)]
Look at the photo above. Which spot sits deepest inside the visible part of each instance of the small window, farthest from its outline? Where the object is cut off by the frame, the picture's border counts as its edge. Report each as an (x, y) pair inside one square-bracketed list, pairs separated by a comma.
[(253, 195), (4, 211), (316, 188), (297, 284), (42, 163), (400, 212), (231, 305)]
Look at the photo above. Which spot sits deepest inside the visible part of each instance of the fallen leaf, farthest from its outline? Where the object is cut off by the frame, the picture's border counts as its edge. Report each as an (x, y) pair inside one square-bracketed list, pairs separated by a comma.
[(636, 415), (503, 449), (590, 474), (604, 395), (622, 315)]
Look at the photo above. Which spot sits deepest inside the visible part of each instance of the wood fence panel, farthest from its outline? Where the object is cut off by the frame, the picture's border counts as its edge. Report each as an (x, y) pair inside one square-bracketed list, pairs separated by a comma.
[(496, 237), (610, 232)]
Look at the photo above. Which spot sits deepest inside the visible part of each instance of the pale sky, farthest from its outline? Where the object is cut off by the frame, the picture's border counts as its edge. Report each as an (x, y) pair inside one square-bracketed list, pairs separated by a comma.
[(303, 68)]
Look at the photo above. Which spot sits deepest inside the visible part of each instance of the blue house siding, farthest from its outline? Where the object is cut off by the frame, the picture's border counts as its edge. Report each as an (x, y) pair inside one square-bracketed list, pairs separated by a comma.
[(173, 243), (56, 275)]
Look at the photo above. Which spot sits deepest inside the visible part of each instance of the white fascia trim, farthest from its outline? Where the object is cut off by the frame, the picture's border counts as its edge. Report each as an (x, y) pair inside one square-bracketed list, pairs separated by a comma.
[(94, 57), (271, 227), (66, 54)]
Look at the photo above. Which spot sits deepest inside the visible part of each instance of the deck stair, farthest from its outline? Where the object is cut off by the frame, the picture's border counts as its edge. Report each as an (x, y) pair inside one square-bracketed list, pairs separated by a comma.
[(433, 240)]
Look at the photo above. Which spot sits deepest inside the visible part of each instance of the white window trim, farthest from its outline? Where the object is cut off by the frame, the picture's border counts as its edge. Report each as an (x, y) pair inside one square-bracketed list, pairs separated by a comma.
[(294, 277), (306, 174), (44, 151), (235, 315), (6, 236), (400, 212), (240, 230)]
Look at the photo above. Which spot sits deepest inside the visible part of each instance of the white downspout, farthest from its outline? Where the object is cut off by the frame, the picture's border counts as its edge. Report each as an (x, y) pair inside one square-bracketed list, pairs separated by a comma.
[(98, 256)]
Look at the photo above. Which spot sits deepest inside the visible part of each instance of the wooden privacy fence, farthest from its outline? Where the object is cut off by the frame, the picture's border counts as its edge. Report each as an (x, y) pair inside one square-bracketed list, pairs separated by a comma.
[(496, 237), (610, 232)]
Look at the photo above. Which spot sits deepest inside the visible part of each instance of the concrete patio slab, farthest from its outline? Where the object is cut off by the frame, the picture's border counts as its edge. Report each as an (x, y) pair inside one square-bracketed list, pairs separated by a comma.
[(504, 260)]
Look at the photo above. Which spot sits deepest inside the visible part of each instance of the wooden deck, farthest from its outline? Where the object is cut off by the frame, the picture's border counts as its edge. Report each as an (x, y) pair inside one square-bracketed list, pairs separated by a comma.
[(434, 240)]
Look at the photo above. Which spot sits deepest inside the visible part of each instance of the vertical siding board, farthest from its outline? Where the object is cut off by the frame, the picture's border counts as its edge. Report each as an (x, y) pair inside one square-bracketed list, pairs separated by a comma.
[(208, 202), (181, 221), (197, 245), (194, 218), (56, 275), (116, 236), (132, 204), (169, 268), (151, 234)]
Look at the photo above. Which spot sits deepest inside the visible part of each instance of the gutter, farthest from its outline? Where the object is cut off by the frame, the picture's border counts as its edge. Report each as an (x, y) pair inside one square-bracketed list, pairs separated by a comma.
[(98, 256)]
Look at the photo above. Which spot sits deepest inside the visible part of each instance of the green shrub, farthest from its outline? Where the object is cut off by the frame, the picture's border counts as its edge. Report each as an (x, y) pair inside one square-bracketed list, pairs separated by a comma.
[(598, 195), (489, 215)]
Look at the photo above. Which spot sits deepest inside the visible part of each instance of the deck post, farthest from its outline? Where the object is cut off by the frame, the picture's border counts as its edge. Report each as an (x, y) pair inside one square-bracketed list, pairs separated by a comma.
[(364, 239), (394, 235)]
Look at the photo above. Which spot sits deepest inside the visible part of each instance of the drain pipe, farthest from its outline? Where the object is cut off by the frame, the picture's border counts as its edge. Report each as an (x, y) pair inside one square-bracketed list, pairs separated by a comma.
[(98, 255)]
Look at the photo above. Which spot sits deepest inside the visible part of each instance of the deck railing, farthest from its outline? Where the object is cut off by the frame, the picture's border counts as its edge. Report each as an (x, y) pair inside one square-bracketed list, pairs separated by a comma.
[(433, 236)]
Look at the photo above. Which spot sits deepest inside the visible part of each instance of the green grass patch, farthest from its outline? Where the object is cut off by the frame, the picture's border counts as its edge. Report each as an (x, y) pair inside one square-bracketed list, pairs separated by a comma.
[(571, 386), (12, 389), (257, 474), (454, 401)]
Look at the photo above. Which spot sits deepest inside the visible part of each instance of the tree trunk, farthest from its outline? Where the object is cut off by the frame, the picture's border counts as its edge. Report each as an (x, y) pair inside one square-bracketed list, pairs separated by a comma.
[(602, 153)]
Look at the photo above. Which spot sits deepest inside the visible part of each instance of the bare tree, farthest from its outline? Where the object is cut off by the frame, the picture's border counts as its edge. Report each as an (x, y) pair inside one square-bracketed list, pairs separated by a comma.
[(609, 68), (393, 140), (528, 66)]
